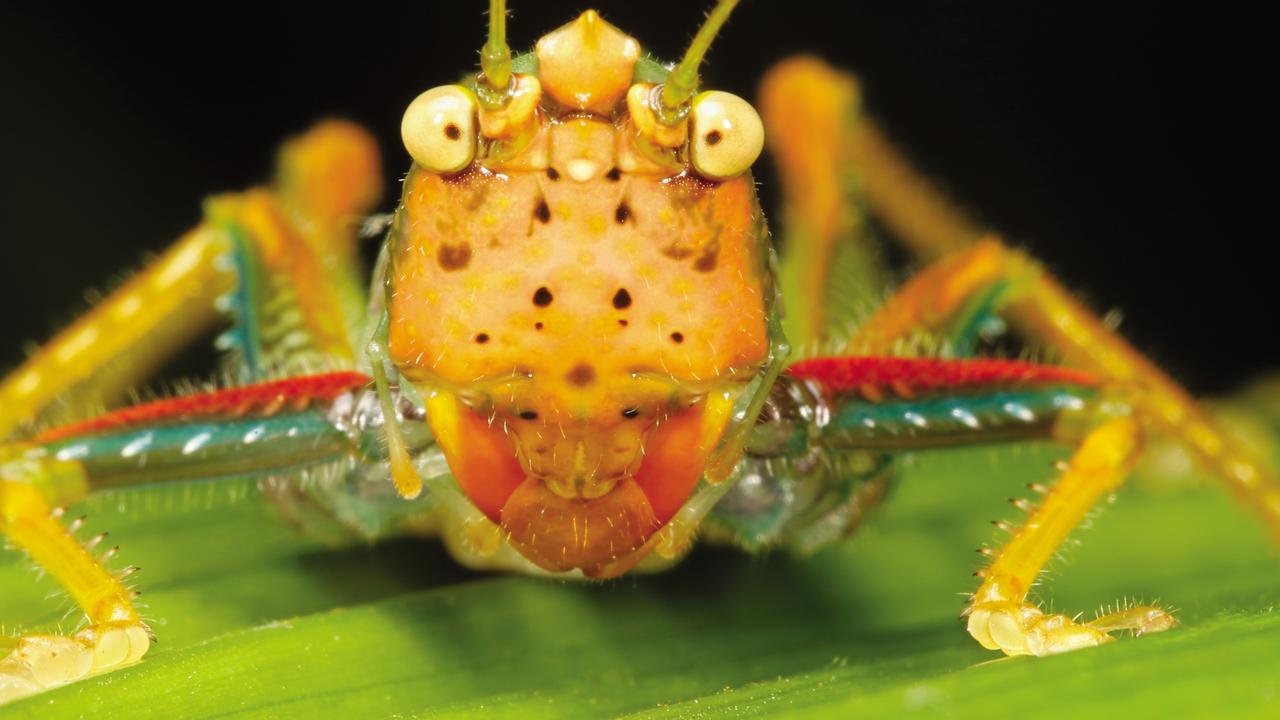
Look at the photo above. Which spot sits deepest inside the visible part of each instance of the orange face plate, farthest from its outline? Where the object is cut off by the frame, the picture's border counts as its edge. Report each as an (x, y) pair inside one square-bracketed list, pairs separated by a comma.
[(579, 300)]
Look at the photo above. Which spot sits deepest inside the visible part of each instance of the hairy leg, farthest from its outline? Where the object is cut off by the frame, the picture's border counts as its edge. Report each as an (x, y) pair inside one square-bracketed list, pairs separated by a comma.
[(115, 636), (1000, 617), (952, 294), (839, 170), (283, 260), (884, 404), (258, 255)]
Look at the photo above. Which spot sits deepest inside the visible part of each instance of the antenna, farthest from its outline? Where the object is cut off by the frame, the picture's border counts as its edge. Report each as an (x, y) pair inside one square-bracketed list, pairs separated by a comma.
[(495, 56), (683, 79)]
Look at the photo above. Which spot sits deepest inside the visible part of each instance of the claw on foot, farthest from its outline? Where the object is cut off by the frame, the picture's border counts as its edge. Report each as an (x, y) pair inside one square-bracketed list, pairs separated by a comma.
[(42, 662), (1139, 619)]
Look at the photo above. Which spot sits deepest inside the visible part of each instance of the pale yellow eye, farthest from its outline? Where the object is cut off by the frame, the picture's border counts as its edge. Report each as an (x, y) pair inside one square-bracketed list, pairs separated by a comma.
[(439, 128), (726, 135)]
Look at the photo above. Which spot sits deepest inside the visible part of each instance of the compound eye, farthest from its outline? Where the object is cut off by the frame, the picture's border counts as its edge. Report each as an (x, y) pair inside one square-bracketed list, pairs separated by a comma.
[(726, 135), (439, 129)]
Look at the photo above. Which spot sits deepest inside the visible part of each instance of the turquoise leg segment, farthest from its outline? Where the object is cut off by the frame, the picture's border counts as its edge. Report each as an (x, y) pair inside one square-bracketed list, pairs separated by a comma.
[(243, 338), (972, 418), (816, 464), (251, 446)]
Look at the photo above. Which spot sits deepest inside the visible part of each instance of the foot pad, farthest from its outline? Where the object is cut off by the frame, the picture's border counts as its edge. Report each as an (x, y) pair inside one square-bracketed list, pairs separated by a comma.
[(41, 662)]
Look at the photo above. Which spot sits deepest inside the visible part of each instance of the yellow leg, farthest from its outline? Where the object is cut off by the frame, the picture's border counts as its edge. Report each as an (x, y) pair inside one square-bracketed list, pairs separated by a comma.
[(114, 635), (1000, 618), (820, 138), (304, 230), (1040, 309), (826, 146), (832, 270), (836, 166), (125, 338)]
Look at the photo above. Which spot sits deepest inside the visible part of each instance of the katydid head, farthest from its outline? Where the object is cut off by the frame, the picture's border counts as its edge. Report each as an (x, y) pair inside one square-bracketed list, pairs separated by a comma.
[(580, 285)]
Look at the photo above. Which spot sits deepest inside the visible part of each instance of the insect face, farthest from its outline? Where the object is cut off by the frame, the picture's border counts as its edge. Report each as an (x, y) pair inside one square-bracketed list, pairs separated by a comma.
[(581, 289)]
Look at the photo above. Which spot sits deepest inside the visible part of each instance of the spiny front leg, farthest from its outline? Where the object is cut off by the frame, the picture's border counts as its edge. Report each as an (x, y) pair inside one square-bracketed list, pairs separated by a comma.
[(294, 423), (1000, 618), (115, 635), (894, 404)]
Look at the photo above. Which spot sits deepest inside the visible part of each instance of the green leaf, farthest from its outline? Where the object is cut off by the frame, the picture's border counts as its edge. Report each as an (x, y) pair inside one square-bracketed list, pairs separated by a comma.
[(255, 621)]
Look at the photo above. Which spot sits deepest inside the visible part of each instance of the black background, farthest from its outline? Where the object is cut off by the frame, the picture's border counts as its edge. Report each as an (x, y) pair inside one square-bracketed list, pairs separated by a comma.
[(1126, 146)]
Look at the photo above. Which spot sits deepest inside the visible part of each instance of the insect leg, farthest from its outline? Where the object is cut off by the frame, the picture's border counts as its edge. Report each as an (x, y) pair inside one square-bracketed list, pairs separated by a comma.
[(952, 296), (1000, 618), (832, 271), (123, 340), (31, 486), (300, 302), (887, 404), (822, 143), (319, 425), (302, 233), (818, 141)]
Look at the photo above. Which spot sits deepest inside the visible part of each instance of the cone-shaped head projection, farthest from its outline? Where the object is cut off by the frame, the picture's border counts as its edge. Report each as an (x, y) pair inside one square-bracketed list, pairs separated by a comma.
[(587, 64)]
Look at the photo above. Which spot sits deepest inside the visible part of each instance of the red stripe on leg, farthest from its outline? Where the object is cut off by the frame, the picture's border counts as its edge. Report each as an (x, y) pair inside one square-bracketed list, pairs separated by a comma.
[(889, 374), (264, 399)]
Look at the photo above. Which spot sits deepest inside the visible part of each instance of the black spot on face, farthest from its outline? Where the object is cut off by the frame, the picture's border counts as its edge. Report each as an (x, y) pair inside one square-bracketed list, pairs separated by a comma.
[(542, 297), (622, 299), (614, 175), (542, 212), (453, 132), (528, 415), (631, 413), (622, 214), (453, 257), (581, 374), (552, 174), (537, 326), (676, 251), (482, 338), (706, 261), (677, 337), (623, 323), (714, 137)]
